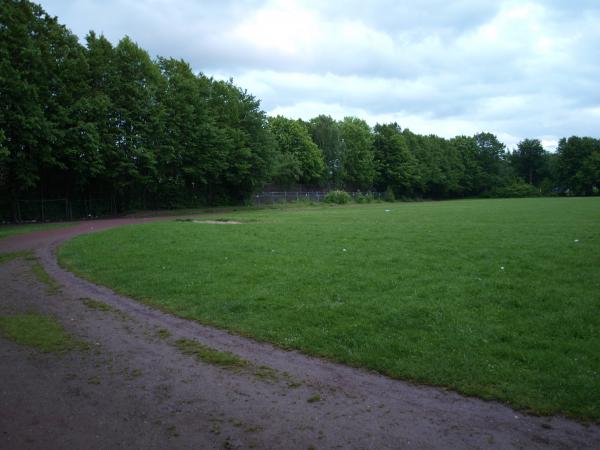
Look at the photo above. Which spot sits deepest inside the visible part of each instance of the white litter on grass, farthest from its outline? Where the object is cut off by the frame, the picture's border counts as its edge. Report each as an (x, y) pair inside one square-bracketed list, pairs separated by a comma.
[(576, 240), (501, 267), (387, 210), (343, 249)]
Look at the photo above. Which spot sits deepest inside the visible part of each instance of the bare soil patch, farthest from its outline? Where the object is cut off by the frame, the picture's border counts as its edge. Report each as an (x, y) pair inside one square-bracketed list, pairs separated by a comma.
[(219, 222)]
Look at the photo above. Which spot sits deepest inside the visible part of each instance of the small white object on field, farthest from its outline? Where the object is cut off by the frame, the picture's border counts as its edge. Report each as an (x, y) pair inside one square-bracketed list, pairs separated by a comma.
[(501, 267), (576, 240), (387, 210), (343, 249)]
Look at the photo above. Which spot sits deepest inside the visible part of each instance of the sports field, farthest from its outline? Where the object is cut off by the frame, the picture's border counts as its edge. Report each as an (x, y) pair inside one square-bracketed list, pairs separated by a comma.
[(494, 298)]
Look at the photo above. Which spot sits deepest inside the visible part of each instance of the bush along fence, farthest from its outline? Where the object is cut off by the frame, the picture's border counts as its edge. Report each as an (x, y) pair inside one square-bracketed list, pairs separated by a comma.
[(271, 198)]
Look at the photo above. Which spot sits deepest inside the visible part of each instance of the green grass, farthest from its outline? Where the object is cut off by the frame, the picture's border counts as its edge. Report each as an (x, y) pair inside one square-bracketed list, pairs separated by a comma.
[(40, 273), (494, 298), (96, 305), (206, 354), (315, 398), (163, 333), (42, 333), (11, 230), (36, 267), (6, 257)]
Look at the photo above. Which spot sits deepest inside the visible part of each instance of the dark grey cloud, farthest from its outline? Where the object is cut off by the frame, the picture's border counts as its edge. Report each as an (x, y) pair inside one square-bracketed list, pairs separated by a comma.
[(518, 69)]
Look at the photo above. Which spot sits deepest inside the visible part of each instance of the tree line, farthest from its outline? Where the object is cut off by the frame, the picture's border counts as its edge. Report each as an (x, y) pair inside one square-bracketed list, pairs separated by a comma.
[(98, 120)]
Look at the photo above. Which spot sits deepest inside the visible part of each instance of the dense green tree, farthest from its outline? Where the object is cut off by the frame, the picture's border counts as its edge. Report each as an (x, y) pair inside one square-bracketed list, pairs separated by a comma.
[(187, 157), (449, 165), (293, 139), (439, 166), (492, 160), (529, 160), (396, 167), (578, 164), (239, 134), (325, 132), (137, 118), (286, 171), (358, 166), (100, 157), (473, 178), (80, 163), (41, 83)]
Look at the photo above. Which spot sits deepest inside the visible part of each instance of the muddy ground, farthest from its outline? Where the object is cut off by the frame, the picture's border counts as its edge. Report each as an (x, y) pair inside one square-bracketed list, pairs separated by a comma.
[(133, 388)]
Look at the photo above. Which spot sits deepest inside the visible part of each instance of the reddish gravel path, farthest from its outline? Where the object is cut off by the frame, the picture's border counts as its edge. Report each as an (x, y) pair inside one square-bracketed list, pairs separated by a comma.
[(29, 241), (134, 389)]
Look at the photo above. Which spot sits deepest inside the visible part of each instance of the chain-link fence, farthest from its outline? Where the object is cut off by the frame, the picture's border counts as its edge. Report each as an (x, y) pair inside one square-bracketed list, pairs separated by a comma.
[(47, 210), (271, 198), (63, 209), (55, 210)]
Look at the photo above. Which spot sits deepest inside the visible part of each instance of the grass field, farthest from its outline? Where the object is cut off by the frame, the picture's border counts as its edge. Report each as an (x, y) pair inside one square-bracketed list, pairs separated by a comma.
[(11, 230), (494, 298)]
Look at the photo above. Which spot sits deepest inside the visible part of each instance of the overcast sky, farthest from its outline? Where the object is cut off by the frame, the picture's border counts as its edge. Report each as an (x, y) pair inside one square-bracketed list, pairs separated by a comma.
[(515, 68)]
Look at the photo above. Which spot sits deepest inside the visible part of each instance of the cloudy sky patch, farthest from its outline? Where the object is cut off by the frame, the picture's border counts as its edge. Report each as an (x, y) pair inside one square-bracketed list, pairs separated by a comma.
[(515, 68)]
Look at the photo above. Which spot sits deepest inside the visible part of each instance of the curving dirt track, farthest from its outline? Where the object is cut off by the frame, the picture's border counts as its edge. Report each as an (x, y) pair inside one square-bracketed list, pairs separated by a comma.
[(134, 389)]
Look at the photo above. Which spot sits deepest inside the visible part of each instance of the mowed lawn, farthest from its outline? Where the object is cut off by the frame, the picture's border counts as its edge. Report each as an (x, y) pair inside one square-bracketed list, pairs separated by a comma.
[(494, 298)]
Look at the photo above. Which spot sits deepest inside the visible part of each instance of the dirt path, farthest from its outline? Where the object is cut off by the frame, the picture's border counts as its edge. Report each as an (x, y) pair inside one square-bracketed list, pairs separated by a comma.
[(135, 389)]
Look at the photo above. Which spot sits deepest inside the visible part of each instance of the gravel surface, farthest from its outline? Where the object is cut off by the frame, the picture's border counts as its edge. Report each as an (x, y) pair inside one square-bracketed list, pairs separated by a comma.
[(133, 388)]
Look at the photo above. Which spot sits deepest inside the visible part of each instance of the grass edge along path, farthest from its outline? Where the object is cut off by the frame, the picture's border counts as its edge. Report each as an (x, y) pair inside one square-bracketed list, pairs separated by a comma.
[(37, 268), (40, 332), (13, 230), (6, 257), (494, 298)]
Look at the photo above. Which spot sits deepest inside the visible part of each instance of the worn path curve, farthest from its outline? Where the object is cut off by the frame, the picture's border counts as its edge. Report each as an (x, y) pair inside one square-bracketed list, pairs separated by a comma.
[(135, 389)]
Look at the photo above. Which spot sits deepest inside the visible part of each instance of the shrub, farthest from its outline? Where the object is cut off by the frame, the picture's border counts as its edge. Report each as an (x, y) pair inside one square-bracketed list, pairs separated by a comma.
[(388, 195), (339, 197), (548, 188), (516, 189), (363, 198)]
